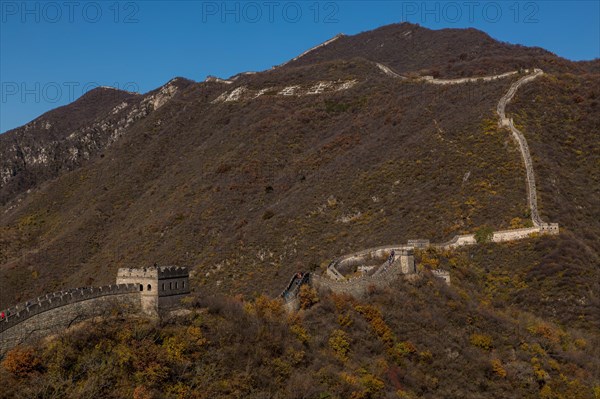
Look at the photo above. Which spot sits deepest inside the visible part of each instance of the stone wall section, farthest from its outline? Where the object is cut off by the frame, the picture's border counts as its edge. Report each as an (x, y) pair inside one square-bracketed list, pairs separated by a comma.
[(335, 281), (359, 287), (522, 143), (54, 312), (146, 291)]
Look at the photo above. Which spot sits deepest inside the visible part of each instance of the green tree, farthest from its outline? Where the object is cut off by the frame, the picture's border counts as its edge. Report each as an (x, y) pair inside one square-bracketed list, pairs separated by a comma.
[(484, 234)]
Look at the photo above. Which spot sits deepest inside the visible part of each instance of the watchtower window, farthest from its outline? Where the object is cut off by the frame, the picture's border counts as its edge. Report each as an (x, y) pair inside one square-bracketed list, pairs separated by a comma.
[(170, 286), (149, 288), (163, 286), (141, 287), (183, 284), (176, 284)]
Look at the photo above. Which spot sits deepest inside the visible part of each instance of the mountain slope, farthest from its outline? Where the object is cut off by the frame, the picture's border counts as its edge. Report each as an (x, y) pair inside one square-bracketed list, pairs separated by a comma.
[(247, 191), (250, 180), (260, 186), (64, 138), (411, 48)]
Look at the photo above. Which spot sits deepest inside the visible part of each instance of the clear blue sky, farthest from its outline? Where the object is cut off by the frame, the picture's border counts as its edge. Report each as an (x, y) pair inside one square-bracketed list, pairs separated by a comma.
[(51, 52)]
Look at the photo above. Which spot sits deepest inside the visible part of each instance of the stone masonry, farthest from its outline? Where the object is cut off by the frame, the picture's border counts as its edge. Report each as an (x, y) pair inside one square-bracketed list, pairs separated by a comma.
[(385, 274), (146, 292)]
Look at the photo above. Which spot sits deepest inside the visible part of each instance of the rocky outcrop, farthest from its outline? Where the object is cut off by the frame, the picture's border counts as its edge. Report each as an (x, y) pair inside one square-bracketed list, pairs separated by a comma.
[(64, 138)]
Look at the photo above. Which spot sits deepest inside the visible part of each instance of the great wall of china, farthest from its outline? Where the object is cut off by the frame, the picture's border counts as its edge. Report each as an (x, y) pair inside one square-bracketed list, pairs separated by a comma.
[(403, 266), (150, 291)]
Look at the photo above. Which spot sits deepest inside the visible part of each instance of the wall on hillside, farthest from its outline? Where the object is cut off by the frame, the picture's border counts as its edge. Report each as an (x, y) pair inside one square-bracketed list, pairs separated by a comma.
[(516, 234), (53, 313), (359, 287)]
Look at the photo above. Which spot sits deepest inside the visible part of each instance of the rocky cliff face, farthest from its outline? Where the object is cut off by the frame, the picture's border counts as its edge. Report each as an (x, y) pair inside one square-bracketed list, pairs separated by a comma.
[(63, 139)]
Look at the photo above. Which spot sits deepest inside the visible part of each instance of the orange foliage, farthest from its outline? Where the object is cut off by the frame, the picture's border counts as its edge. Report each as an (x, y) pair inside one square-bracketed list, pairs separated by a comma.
[(21, 362), (379, 326)]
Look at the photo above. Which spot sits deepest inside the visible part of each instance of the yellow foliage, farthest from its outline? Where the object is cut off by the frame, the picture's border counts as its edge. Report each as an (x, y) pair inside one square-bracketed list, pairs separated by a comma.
[(429, 259), (266, 308), (345, 320), (308, 297), (554, 364), (552, 334), (349, 378), (295, 356), (546, 392), (405, 348), (124, 353), (340, 343), (540, 374), (174, 347), (517, 223), (375, 319), (371, 384), (300, 332), (195, 335), (498, 368), (179, 391), (482, 341)]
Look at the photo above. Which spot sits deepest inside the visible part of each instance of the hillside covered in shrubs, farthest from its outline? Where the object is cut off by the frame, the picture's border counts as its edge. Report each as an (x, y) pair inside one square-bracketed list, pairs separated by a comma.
[(485, 336), (249, 191)]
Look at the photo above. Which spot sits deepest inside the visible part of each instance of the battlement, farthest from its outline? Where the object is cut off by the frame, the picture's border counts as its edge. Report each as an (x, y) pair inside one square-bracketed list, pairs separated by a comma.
[(153, 272), (418, 243), (442, 275), (172, 272), (137, 291), (41, 304), (160, 286), (549, 228)]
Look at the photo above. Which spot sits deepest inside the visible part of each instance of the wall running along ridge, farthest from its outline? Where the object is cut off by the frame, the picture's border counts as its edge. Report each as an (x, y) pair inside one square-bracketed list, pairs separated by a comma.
[(55, 312), (403, 265), (144, 292)]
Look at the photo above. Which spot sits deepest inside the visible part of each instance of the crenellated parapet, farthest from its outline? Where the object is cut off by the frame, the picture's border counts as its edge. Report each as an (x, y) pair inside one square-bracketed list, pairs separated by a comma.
[(386, 275), (160, 287), (153, 272), (172, 272), (144, 291), (41, 304)]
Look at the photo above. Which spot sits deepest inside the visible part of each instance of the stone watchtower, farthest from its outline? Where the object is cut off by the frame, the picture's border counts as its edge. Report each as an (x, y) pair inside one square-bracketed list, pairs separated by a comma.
[(161, 288)]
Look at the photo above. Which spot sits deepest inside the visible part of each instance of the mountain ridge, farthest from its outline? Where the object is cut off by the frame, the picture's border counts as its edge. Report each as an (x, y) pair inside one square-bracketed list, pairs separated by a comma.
[(229, 175), (250, 180)]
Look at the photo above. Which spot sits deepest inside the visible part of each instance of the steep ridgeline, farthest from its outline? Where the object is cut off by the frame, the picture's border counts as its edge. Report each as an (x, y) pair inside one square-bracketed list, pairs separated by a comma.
[(522, 142), (64, 138), (503, 122), (453, 53), (384, 274)]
